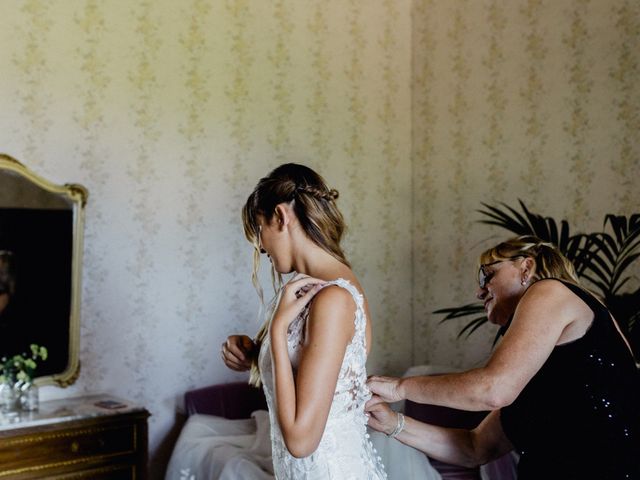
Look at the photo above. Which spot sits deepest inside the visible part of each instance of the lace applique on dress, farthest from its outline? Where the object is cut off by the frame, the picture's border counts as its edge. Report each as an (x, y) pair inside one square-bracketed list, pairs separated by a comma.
[(345, 451)]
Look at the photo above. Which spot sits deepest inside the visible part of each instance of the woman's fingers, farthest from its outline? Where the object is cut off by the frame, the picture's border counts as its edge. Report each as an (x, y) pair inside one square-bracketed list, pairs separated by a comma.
[(385, 387), (381, 417), (230, 359), (302, 284), (297, 293), (232, 351), (308, 291), (373, 401), (236, 352)]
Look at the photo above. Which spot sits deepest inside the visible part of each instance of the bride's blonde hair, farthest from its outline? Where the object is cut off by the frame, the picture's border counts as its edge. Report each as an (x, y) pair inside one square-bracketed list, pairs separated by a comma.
[(314, 205)]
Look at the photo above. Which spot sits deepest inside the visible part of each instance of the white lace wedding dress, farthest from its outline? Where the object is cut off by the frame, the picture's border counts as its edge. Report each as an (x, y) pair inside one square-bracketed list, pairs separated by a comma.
[(345, 450), (214, 448)]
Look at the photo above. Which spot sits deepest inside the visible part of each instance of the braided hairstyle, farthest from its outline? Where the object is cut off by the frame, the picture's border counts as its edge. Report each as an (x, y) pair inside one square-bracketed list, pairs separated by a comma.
[(314, 205), (549, 261)]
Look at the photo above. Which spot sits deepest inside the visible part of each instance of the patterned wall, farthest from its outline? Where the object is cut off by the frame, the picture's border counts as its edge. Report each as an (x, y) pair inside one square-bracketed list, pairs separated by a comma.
[(530, 99), (417, 111), (169, 112)]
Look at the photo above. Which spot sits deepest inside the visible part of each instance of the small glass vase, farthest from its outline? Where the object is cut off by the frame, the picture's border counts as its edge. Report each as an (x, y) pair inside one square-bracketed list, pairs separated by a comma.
[(10, 397), (29, 397)]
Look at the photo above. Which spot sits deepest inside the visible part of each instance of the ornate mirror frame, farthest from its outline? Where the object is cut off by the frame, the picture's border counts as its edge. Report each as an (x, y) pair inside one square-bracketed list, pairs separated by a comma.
[(31, 196)]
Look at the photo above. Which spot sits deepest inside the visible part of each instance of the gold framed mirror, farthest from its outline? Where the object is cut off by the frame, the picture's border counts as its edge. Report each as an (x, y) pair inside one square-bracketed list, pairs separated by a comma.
[(41, 241)]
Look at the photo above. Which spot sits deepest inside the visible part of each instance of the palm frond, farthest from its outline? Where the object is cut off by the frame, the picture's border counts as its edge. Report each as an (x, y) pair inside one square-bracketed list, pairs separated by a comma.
[(631, 246), (611, 255), (620, 268), (515, 222), (601, 258), (600, 244), (576, 250), (526, 223), (473, 325), (463, 311), (620, 285), (618, 225), (565, 239)]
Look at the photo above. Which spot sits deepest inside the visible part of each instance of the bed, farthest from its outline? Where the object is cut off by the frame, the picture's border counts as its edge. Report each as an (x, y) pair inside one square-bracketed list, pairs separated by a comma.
[(226, 437)]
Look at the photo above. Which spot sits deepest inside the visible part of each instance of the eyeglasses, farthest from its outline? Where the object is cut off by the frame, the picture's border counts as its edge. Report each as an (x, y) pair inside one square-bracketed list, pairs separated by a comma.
[(485, 276)]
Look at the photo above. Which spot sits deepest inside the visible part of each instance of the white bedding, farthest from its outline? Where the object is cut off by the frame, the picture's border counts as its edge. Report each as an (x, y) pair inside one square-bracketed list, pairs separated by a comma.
[(215, 448)]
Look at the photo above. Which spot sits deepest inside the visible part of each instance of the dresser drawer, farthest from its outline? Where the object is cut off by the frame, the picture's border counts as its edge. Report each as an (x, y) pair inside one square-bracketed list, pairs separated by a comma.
[(46, 454), (117, 472)]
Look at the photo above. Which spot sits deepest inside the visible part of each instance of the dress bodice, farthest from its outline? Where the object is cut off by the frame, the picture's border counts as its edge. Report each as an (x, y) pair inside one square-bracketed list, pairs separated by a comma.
[(345, 451)]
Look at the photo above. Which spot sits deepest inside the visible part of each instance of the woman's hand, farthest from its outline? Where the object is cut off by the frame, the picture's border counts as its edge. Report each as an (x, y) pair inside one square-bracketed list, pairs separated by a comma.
[(385, 389), (381, 417), (296, 294), (237, 352)]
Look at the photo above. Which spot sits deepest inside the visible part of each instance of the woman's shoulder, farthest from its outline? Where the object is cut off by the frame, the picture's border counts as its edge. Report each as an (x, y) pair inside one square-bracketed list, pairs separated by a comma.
[(556, 292), (559, 286), (553, 285), (331, 312), (336, 294)]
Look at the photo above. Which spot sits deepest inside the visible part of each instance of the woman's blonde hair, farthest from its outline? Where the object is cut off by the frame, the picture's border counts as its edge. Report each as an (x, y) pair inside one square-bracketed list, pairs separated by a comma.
[(549, 260), (314, 205)]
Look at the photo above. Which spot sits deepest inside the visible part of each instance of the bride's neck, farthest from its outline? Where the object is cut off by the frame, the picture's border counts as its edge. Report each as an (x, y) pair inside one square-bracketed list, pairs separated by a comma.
[(319, 263)]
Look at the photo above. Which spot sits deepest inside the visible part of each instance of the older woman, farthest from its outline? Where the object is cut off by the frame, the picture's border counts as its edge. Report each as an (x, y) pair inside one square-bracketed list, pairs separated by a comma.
[(562, 386)]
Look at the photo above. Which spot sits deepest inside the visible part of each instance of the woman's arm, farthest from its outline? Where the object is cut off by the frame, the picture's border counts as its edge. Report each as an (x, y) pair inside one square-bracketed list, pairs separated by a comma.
[(541, 316), (468, 448), (303, 402)]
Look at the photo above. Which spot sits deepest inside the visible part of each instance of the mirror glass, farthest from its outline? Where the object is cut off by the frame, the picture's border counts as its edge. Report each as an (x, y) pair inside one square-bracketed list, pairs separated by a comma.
[(41, 227)]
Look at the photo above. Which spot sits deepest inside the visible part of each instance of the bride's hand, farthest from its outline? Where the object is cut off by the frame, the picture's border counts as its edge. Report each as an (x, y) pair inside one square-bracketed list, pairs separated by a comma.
[(381, 417), (297, 293)]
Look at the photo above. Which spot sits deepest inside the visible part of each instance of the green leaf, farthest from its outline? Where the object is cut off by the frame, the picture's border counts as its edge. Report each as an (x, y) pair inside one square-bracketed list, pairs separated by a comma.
[(457, 312), (473, 325), (602, 258)]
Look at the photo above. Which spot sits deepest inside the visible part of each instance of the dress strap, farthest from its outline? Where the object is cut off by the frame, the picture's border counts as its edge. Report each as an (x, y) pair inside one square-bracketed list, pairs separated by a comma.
[(360, 317)]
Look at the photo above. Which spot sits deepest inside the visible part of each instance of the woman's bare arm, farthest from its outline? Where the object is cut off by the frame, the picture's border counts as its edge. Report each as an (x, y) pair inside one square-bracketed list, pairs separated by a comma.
[(468, 448), (542, 315), (303, 403)]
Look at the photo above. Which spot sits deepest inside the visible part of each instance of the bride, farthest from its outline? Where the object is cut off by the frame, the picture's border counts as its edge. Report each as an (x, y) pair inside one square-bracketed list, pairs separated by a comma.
[(314, 344), (309, 357)]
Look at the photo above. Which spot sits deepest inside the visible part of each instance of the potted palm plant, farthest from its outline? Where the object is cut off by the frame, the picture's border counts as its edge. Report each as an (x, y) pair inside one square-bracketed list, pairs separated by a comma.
[(602, 259)]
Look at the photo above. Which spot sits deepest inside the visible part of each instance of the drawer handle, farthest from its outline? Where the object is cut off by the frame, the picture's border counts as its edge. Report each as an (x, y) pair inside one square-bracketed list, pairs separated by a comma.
[(75, 445)]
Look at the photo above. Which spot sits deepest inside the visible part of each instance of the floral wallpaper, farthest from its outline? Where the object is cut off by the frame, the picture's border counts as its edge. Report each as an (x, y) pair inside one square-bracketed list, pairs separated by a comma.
[(169, 113), (417, 111), (526, 100)]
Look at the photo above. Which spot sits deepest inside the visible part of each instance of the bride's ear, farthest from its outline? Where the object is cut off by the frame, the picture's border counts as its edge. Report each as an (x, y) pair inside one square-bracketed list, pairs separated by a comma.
[(283, 214)]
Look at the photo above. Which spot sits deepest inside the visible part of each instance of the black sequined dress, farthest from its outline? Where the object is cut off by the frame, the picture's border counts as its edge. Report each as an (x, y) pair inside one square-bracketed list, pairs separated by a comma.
[(579, 416)]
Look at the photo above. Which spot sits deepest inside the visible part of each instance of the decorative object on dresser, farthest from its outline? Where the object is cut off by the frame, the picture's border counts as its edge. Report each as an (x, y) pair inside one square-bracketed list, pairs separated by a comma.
[(17, 390), (93, 437)]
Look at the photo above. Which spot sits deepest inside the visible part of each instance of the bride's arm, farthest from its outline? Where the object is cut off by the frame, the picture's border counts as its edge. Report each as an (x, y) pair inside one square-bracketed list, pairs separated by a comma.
[(303, 403)]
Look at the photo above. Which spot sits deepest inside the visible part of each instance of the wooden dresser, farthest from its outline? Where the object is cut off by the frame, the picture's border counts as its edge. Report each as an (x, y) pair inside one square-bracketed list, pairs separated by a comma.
[(75, 438)]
